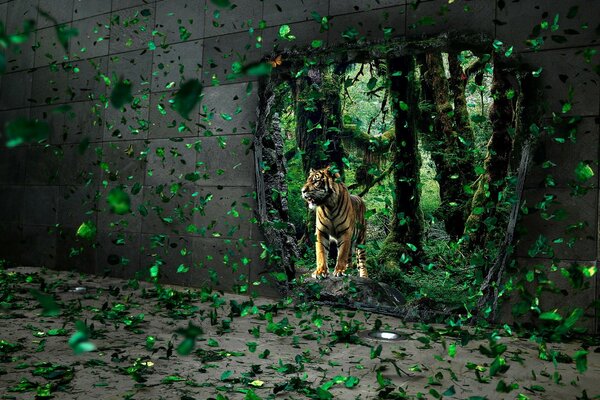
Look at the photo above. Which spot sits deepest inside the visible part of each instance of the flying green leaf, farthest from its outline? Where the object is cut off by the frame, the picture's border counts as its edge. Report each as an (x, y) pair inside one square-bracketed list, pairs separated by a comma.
[(119, 201), (187, 97), (24, 130), (121, 93), (87, 230), (583, 171), (49, 306)]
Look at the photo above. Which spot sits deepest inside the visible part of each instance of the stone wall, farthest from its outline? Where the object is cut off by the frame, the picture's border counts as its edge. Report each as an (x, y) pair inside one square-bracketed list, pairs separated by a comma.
[(48, 187)]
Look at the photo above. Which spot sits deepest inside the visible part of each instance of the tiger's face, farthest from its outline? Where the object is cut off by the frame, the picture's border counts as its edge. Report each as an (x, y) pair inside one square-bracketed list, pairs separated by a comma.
[(318, 187)]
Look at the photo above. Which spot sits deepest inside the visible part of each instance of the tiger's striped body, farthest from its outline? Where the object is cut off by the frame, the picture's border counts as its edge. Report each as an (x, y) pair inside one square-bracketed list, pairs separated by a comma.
[(340, 219)]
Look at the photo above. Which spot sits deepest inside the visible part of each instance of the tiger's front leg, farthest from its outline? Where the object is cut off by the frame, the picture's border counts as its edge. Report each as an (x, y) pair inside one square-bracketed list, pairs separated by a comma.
[(322, 250), (344, 250)]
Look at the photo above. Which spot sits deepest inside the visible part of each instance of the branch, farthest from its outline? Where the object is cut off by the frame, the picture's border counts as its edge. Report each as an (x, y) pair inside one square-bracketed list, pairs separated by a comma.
[(377, 180)]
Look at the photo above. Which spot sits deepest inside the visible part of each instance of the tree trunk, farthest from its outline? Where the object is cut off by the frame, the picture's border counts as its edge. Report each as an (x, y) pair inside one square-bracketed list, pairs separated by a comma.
[(446, 148), (491, 183), (318, 119), (273, 213), (466, 144), (407, 220)]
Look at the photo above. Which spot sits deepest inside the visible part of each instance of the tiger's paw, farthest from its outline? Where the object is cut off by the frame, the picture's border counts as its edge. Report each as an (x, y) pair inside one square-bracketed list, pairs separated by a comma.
[(339, 272), (320, 274)]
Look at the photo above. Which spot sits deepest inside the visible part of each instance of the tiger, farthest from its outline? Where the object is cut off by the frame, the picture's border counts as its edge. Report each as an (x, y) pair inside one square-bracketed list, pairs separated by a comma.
[(340, 218)]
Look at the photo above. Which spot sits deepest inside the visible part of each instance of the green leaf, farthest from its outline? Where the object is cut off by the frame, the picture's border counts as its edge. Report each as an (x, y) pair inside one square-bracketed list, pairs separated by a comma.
[(87, 230), (64, 33), (187, 97), (119, 201), (449, 392), (376, 351), (583, 171), (351, 381), (221, 3), (172, 378), (550, 316), (226, 374), (315, 44), (49, 306), (24, 130), (79, 341), (121, 94), (186, 346), (581, 360)]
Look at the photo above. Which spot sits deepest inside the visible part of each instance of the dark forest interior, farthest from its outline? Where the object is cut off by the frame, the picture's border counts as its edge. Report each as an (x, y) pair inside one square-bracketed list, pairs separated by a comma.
[(445, 125)]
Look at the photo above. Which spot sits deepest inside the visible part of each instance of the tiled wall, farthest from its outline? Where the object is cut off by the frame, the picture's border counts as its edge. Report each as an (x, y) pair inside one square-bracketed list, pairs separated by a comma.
[(41, 186)]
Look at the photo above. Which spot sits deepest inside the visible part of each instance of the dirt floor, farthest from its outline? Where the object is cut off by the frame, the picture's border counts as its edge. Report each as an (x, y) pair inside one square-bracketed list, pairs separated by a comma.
[(128, 344)]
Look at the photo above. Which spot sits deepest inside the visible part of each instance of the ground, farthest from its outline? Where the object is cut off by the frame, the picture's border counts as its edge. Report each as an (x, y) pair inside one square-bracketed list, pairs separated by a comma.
[(249, 349)]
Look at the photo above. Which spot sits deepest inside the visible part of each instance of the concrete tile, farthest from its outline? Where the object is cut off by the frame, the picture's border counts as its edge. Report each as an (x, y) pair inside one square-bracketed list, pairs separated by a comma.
[(129, 123), (228, 160), (15, 90), (368, 26), (304, 32), (179, 20), (169, 252), (3, 8), (48, 48), (555, 292), (120, 4), (74, 253), (61, 11), (108, 221), (55, 119), (562, 71), (11, 200), (21, 57), (86, 79), (218, 264), (518, 19), (50, 85), (175, 64), (89, 8), (565, 157), (85, 121), (168, 212), (93, 38), (136, 66), (227, 214), (131, 29), (18, 12), (337, 7), (240, 16), (124, 161), (277, 12), (12, 165), (222, 51), (168, 123), (11, 240), (79, 166), (76, 204), (39, 246), (228, 109), (43, 165), (434, 17), (118, 254), (169, 161), (560, 224), (39, 205)]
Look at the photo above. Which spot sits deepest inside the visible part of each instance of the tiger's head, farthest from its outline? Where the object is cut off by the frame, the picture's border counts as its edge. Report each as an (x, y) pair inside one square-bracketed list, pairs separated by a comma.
[(319, 186)]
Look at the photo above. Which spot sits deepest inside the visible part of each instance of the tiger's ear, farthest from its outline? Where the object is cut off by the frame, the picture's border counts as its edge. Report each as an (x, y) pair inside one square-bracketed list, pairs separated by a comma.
[(334, 175), (312, 171)]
